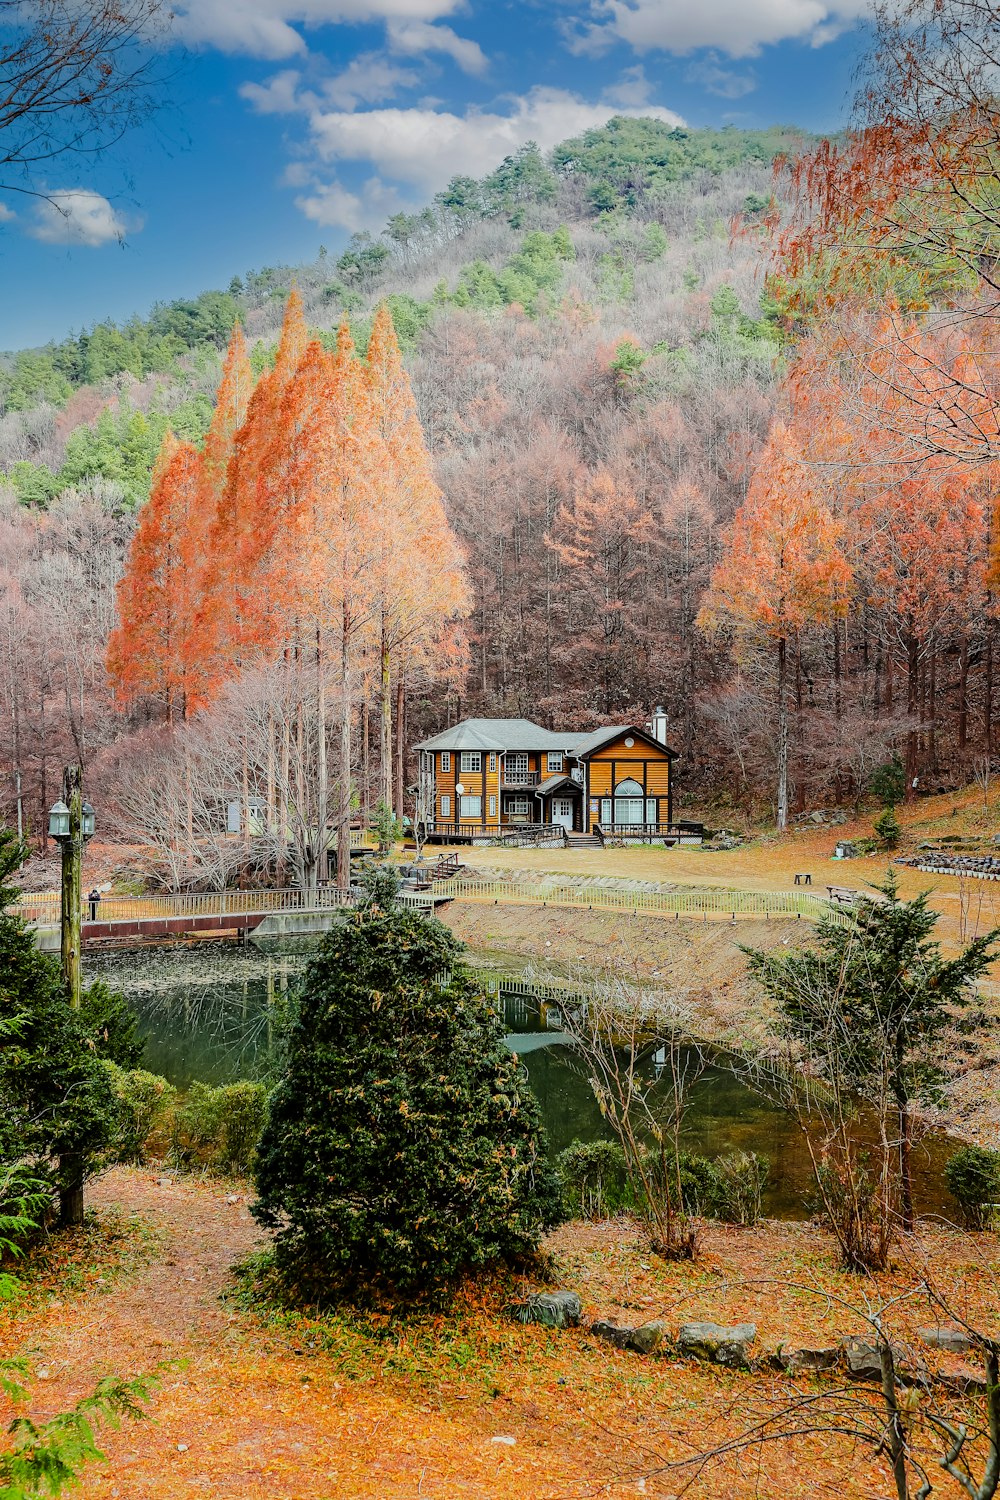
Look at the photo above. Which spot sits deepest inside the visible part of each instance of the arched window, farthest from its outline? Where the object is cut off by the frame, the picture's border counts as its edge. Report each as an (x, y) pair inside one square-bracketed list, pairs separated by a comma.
[(629, 805)]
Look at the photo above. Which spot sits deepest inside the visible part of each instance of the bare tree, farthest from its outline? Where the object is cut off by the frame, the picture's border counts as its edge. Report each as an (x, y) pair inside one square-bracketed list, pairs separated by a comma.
[(74, 79), (641, 1065)]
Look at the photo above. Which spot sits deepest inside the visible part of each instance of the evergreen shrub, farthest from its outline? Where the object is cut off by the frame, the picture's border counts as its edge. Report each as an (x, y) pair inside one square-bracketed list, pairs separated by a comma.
[(402, 1147), (595, 1180), (144, 1103), (219, 1128), (973, 1179)]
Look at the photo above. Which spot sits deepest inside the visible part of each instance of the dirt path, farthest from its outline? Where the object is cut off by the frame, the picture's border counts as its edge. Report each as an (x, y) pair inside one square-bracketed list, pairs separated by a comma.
[(248, 1416)]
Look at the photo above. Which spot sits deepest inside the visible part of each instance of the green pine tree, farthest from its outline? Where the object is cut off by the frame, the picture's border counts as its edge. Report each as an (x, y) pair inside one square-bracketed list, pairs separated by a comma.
[(402, 1147)]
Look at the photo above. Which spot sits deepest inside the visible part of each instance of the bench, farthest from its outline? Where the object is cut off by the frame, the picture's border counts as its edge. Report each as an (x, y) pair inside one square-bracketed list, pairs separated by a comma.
[(842, 895), (804, 878)]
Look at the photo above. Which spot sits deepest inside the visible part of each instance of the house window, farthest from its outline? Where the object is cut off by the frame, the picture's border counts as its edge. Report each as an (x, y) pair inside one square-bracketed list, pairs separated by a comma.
[(493, 807), (446, 807), (493, 761), (470, 807), (446, 760), (516, 765), (519, 809), (631, 806), (471, 760), (554, 760)]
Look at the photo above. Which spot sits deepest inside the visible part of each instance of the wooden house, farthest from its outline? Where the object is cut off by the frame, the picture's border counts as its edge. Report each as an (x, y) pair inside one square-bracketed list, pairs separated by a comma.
[(484, 776)]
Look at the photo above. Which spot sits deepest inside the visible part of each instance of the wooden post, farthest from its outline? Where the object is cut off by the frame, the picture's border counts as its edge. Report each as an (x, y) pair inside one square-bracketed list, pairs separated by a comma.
[(71, 1188), (72, 885)]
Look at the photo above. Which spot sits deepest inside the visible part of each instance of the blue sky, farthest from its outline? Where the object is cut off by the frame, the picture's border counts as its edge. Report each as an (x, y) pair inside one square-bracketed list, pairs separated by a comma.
[(291, 123)]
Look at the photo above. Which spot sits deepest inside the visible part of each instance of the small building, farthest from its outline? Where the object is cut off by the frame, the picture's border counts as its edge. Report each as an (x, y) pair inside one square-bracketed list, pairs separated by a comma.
[(483, 776)]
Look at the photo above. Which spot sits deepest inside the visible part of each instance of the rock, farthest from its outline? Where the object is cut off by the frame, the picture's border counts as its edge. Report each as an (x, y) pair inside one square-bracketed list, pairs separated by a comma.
[(551, 1309), (612, 1333), (641, 1340), (508, 1442), (802, 1361), (648, 1336), (718, 1345), (952, 1340), (965, 1381), (864, 1362)]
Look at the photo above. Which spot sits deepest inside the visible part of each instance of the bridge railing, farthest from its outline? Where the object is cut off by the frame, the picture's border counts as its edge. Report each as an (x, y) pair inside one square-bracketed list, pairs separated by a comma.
[(44, 909)]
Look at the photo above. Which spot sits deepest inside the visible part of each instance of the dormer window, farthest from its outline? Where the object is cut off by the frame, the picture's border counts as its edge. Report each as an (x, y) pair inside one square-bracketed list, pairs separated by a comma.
[(554, 760)]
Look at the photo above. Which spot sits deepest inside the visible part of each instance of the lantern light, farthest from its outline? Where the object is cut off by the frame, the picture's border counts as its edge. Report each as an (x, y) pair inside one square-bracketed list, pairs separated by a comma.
[(59, 820), (89, 821)]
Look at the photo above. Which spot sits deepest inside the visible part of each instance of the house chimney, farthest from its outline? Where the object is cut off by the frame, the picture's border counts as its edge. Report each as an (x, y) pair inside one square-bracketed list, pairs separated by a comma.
[(658, 725)]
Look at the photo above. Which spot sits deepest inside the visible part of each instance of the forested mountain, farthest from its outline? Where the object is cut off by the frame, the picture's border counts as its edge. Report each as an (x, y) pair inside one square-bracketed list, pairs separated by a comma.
[(600, 359), (594, 371)]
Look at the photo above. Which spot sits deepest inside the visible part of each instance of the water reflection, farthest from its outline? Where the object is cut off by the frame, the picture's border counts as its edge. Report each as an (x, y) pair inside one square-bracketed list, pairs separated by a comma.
[(217, 1013)]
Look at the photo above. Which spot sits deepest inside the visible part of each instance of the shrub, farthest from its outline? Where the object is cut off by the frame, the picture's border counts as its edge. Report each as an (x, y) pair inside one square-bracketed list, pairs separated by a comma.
[(143, 1102), (402, 1147), (57, 1106), (973, 1179), (888, 782), (888, 828), (220, 1128), (740, 1180), (698, 1183), (595, 1180)]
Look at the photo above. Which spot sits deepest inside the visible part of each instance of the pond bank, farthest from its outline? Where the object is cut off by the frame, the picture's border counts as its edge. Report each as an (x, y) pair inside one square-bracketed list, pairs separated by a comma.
[(257, 1404)]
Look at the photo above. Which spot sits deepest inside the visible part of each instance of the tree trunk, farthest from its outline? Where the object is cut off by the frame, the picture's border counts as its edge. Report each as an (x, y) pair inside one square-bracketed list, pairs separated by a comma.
[(322, 776), (344, 811), (905, 1165), (782, 736), (912, 705), (71, 1195), (400, 747), (895, 1440), (988, 691), (385, 740)]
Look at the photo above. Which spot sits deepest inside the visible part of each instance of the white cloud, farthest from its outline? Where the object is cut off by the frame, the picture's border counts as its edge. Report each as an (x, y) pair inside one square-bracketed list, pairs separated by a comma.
[(425, 148), (334, 206), (414, 38), (77, 216), (632, 89), (709, 73), (739, 28), (369, 78), (268, 28), (6, 214)]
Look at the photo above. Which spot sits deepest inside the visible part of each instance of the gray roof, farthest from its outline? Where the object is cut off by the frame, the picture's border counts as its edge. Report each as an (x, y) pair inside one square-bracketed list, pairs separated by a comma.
[(553, 783), (499, 734), (598, 737)]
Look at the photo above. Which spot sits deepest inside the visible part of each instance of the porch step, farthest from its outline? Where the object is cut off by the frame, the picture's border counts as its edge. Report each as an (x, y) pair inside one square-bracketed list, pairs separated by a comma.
[(583, 841)]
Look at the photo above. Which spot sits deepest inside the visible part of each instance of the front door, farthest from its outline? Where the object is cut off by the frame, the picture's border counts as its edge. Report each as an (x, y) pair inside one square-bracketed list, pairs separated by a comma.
[(562, 811)]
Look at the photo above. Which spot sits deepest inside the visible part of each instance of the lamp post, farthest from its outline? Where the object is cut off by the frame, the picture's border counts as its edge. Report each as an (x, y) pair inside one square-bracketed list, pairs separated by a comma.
[(71, 824)]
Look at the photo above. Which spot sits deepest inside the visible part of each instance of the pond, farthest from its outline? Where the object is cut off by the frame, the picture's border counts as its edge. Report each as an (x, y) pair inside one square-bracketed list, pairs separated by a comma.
[(216, 1013)]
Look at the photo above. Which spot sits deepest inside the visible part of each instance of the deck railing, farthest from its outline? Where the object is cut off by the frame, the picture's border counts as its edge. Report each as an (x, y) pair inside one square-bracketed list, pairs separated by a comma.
[(520, 778), (44, 909), (501, 833), (648, 833)]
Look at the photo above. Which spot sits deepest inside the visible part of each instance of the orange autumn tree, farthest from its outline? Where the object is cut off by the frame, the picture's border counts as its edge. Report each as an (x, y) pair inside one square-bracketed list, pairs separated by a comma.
[(148, 651), (419, 573), (783, 569), (916, 519), (237, 585), (205, 658)]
